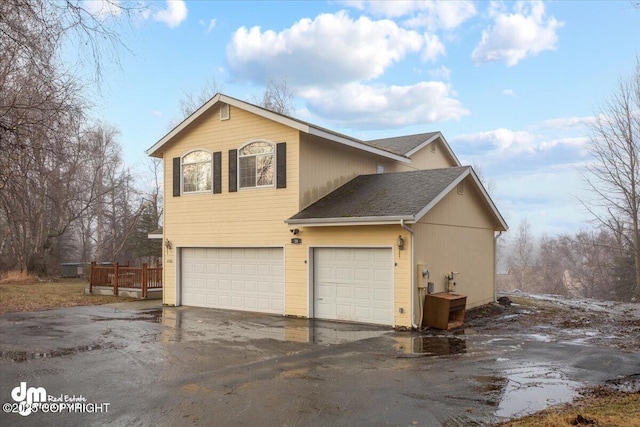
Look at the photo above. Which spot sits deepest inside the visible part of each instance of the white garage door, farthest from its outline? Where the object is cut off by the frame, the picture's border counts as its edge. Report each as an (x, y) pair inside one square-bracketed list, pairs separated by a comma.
[(354, 284), (249, 279)]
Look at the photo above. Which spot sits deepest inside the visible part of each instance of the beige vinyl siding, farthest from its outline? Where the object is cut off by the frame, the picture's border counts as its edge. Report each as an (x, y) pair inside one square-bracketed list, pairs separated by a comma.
[(247, 218), (298, 258), (327, 165), (458, 235), (427, 159)]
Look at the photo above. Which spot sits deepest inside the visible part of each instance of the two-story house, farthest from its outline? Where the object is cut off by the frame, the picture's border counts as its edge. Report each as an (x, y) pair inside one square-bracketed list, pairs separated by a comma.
[(267, 213)]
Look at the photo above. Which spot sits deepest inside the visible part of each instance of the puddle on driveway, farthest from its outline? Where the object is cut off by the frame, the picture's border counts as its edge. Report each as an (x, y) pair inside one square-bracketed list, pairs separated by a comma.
[(431, 345), (155, 315), (22, 356), (208, 324), (530, 389)]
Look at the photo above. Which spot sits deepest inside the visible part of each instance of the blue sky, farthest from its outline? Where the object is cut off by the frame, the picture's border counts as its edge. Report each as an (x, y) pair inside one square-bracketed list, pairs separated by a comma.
[(512, 86)]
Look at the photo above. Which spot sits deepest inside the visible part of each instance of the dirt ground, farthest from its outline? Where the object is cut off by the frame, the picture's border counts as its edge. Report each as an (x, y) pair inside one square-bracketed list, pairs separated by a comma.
[(597, 322), (34, 295), (617, 402)]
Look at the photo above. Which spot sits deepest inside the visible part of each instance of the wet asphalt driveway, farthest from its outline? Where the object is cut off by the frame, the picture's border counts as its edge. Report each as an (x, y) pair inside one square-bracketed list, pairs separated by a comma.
[(142, 364)]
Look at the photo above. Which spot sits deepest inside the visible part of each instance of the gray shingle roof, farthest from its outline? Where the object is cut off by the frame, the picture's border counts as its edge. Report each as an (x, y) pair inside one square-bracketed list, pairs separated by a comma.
[(401, 144), (402, 194)]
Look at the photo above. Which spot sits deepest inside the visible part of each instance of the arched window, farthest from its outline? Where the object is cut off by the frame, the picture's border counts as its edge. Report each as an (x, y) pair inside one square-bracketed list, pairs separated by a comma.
[(196, 172), (257, 164)]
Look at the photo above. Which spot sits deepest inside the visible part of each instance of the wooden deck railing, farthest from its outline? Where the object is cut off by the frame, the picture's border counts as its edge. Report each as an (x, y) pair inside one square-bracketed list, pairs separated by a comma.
[(116, 276)]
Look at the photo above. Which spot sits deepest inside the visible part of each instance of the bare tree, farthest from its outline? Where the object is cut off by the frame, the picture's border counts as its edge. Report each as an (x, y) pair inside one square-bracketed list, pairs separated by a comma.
[(46, 182), (488, 185), (614, 176), (191, 101), (522, 259), (550, 267), (277, 97)]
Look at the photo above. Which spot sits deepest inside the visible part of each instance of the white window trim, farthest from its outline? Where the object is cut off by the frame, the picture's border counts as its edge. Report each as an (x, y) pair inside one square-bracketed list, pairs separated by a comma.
[(257, 187), (182, 191)]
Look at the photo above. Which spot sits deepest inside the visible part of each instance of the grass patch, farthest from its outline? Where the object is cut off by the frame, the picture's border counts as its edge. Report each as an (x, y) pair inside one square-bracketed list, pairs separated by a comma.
[(30, 296), (600, 408)]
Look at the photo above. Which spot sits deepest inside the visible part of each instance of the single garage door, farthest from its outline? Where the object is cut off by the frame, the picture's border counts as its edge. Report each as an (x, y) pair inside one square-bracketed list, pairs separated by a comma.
[(249, 279), (354, 284)]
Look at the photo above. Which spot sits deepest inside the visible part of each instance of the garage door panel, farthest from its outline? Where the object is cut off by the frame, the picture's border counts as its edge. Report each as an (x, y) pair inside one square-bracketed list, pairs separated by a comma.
[(248, 279), (344, 273), (361, 280), (344, 291), (250, 286), (362, 274), (362, 256), (382, 295), (360, 293)]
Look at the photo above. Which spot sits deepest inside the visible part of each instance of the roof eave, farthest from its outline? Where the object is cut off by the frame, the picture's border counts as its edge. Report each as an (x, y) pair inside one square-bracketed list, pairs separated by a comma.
[(356, 144), (345, 221)]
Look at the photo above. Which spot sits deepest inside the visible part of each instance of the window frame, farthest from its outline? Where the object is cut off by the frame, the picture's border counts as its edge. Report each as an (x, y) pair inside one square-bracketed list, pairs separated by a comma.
[(273, 154), (211, 171)]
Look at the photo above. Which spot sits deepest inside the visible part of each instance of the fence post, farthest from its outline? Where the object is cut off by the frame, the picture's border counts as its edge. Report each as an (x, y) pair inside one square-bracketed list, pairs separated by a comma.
[(145, 279), (91, 279), (115, 279)]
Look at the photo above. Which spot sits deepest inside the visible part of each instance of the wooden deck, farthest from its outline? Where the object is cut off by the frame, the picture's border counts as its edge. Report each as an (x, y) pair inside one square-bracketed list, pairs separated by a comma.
[(145, 279)]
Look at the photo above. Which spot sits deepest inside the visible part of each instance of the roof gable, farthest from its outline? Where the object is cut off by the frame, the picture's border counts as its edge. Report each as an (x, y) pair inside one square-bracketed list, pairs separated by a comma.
[(390, 197), (300, 125)]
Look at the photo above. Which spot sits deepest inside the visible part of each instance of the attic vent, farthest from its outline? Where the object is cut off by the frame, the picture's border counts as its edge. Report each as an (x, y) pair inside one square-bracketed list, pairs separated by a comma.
[(433, 148), (461, 188), (224, 112)]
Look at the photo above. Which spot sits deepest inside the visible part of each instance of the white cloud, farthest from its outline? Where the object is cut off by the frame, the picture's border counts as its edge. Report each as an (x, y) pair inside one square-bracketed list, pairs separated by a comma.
[(568, 122), (576, 142), (212, 25), (433, 48), (389, 9), (445, 15), (156, 113), (431, 14), (330, 49), (509, 142), (102, 8), (173, 15), (504, 140), (440, 73), (508, 92), (381, 107), (515, 36)]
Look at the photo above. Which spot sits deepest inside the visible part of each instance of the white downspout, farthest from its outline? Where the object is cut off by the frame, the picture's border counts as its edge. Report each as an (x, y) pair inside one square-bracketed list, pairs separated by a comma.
[(413, 274), (495, 265)]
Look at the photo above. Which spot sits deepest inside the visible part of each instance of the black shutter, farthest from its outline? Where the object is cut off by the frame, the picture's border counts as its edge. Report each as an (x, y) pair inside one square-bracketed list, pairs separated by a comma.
[(217, 172), (176, 177), (281, 165), (233, 171)]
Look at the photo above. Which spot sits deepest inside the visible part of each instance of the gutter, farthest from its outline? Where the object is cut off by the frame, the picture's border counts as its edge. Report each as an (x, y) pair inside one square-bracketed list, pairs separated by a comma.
[(413, 274), (356, 220)]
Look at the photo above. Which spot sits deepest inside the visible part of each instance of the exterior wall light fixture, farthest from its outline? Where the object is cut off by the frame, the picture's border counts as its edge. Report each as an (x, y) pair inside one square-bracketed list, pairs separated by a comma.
[(400, 243)]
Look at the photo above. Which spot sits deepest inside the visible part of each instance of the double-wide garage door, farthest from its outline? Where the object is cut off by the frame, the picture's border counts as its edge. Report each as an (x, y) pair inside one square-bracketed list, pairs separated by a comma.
[(354, 284), (249, 279)]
